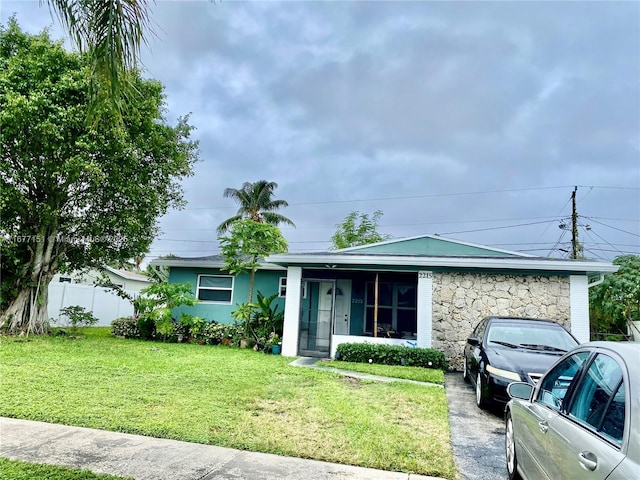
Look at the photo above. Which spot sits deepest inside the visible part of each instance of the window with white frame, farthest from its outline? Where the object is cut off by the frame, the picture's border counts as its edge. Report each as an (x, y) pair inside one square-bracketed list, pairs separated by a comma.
[(215, 288), (282, 288)]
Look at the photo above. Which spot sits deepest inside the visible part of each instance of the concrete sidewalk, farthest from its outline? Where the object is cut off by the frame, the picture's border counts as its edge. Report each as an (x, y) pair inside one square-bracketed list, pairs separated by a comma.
[(147, 458)]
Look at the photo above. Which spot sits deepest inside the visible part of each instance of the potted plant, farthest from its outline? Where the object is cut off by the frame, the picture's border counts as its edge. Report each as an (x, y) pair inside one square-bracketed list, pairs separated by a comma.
[(276, 343)]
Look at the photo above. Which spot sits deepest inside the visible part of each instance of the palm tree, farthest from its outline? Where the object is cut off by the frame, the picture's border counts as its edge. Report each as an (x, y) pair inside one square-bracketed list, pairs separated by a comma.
[(111, 32), (257, 203)]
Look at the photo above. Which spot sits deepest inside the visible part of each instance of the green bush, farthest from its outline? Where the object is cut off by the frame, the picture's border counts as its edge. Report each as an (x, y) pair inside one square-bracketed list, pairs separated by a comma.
[(77, 316), (391, 355), (194, 325), (216, 333), (126, 327), (146, 326)]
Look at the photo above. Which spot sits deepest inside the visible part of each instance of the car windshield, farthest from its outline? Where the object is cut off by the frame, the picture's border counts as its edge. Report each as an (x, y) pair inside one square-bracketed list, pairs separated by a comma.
[(547, 337)]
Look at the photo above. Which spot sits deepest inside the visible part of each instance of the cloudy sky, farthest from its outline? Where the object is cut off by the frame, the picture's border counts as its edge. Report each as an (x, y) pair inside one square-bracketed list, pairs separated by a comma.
[(472, 120)]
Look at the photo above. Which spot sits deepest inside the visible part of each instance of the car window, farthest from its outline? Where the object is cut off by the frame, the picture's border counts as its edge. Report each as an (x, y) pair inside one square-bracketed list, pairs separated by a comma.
[(600, 397), (479, 331), (555, 384)]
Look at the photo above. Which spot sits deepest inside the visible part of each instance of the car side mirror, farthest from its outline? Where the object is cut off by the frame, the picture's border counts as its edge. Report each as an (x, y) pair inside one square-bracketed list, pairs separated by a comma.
[(473, 341), (520, 390)]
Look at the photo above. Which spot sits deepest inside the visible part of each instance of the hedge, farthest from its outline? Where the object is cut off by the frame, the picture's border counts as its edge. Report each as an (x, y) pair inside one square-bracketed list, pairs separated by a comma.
[(391, 355), (126, 327)]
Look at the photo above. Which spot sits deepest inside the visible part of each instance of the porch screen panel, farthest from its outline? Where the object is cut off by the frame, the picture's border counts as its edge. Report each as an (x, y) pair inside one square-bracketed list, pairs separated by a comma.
[(397, 309), (315, 311)]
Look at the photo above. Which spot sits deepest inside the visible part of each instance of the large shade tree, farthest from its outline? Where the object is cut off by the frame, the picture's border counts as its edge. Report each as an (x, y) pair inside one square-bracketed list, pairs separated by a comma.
[(256, 203), (75, 195)]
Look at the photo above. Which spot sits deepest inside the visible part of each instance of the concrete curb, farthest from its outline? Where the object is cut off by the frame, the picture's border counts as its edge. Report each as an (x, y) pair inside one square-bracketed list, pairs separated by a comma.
[(147, 458)]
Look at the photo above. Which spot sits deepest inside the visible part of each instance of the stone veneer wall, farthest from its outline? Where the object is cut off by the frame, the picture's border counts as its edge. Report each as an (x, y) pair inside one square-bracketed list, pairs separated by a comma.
[(460, 300)]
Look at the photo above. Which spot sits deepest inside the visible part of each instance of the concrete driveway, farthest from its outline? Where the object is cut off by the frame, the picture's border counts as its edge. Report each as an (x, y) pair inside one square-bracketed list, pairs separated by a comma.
[(477, 435)]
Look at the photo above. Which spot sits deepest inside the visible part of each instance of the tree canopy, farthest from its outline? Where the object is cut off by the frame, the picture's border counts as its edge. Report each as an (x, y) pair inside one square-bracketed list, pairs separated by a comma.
[(615, 303), (358, 229), (246, 243), (256, 203), (75, 195)]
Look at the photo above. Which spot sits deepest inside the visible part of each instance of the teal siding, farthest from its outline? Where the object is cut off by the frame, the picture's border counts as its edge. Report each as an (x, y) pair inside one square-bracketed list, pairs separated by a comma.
[(431, 247), (266, 282)]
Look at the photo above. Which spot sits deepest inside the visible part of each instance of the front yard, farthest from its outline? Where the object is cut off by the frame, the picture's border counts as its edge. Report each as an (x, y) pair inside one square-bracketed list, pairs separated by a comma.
[(227, 397)]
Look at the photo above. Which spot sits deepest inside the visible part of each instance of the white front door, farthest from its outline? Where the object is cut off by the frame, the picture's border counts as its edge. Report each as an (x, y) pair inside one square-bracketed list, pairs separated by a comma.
[(342, 307)]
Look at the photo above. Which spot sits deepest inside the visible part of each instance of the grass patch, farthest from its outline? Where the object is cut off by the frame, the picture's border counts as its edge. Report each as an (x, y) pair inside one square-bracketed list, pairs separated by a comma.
[(228, 397), (418, 374), (18, 470)]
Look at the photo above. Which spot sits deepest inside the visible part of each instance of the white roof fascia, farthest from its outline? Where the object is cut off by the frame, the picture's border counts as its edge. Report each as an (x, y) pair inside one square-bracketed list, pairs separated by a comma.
[(452, 262), (176, 262), (436, 237)]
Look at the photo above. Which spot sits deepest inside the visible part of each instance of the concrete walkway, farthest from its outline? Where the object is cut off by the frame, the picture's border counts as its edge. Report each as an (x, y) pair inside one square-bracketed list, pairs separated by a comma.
[(147, 458), (313, 363)]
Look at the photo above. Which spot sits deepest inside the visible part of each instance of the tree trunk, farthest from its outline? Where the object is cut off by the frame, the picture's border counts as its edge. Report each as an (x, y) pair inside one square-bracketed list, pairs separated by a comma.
[(252, 279), (27, 313)]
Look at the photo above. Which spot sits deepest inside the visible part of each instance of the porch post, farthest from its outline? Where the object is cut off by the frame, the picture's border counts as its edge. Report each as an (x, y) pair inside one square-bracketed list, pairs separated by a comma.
[(425, 309), (375, 305), (579, 307), (292, 312)]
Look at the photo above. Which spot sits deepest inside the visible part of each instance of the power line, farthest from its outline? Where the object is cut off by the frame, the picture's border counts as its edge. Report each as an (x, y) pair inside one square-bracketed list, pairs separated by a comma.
[(613, 228), (496, 228), (429, 195)]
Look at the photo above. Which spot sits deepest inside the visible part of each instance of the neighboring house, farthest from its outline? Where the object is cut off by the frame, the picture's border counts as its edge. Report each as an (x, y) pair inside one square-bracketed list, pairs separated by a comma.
[(424, 291), (84, 290), (126, 280)]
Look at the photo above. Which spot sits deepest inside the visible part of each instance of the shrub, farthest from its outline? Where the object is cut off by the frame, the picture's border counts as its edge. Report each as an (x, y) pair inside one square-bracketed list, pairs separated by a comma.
[(391, 355), (126, 327), (194, 325), (180, 328), (77, 316), (146, 326), (221, 333)]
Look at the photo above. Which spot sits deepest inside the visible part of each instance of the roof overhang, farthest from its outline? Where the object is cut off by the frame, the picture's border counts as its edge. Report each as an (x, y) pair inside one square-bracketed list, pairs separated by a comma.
[(425, 262)]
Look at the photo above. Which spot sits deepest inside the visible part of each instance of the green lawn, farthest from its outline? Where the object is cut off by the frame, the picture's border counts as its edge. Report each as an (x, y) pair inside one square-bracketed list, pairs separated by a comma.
[(228, 397), (17, 470)]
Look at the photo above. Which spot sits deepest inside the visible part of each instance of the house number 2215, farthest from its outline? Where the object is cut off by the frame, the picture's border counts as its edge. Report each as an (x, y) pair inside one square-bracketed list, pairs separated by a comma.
[(425, 274)]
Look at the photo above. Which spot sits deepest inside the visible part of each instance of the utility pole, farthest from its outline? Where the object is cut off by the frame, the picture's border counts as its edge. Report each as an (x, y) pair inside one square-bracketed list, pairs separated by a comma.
[(575, 245)]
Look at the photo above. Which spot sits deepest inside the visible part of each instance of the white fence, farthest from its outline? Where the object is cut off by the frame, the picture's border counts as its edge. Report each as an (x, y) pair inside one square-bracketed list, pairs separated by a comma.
[(103, 303)]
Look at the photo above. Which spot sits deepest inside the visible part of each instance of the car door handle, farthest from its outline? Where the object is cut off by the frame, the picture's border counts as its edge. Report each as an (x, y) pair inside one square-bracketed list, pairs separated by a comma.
[(544, 426), (588, 460)]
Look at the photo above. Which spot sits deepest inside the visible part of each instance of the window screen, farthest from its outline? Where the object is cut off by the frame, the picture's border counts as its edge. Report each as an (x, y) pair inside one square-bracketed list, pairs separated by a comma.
[(215, 288)]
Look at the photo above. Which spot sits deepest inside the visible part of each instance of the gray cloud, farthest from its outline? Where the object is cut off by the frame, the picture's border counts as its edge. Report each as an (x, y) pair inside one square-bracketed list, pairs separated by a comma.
[(459, 118)]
